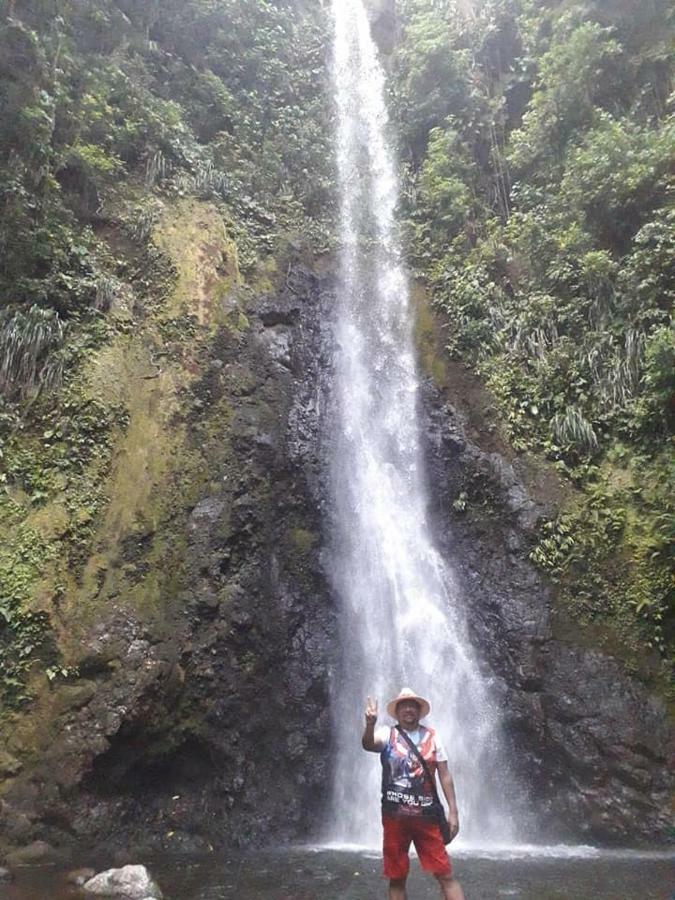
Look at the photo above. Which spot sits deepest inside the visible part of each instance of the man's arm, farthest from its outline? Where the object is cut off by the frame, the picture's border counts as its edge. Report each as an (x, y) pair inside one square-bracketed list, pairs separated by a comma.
[(368, 741), (449, 790)]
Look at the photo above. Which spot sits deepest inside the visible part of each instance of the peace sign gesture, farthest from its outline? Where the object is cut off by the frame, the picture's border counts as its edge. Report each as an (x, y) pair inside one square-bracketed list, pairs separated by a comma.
[(371, 711)]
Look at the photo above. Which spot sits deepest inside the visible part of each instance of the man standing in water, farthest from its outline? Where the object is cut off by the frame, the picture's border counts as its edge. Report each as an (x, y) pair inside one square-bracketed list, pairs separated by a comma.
[(408, 808)]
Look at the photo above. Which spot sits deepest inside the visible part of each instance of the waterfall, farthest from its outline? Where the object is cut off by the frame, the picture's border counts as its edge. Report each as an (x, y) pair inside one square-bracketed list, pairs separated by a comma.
[(401, 610)]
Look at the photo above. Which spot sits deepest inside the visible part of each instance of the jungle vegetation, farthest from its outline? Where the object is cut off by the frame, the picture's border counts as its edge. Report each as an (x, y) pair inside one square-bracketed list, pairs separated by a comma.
[(538, 141), (537, 145), (109, 111)]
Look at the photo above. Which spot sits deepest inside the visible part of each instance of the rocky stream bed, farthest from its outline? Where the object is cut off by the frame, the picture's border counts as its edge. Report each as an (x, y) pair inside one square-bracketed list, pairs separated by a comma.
[(301, 874)]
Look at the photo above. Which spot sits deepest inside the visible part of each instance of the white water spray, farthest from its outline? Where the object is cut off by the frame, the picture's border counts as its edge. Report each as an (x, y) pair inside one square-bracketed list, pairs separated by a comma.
[(402, 618)]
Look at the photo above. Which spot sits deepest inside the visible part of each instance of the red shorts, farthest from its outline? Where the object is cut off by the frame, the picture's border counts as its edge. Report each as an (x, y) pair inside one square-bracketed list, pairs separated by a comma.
[(399, 832)]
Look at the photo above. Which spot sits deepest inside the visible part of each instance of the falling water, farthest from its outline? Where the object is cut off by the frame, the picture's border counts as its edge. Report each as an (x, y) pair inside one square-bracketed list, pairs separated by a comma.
[(403, 621)]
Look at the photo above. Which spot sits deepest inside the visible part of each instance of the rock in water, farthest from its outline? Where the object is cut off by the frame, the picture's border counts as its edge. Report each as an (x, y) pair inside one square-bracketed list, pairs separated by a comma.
[(129, 882), (80, 876), (5, 876)]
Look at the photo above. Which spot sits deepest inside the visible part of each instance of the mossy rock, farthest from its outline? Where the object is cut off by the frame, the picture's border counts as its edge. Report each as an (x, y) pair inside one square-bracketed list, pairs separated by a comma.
[(193, 235)]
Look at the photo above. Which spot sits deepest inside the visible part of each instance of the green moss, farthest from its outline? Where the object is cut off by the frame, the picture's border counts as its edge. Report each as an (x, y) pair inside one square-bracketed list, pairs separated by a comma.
[(237, 321), (266, 276), (25, 562), (428, 338), (614, 583), (193, 235), (115, 469)]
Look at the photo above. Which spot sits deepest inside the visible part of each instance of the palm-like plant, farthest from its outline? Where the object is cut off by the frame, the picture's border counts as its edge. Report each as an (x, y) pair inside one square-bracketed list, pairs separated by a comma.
[(31, 342), (573, 428)]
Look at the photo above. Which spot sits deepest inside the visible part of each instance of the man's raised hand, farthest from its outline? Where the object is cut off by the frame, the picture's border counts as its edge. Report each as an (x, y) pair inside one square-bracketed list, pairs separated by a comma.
[(368, 741)]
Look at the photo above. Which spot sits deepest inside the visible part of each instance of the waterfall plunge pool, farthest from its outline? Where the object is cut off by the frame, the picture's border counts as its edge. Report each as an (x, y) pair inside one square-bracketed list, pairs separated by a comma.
[(522, 873)]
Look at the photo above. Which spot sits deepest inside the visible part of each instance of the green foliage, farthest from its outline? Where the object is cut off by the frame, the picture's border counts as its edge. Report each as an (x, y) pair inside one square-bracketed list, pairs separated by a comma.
[(539, 202), (617, 175), (567, 90), (433, 77), (108, 112), (572, 429), (56, 671), (445, 186), (23, 632), (656, 410), (225, 101), (64, 439)]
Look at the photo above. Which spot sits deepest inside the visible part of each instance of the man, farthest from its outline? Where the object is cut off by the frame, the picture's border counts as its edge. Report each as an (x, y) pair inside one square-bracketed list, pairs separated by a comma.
[(408, 797)]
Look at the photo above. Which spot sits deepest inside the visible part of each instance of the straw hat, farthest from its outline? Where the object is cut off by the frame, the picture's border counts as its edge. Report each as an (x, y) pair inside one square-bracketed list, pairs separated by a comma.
[(407, 694)]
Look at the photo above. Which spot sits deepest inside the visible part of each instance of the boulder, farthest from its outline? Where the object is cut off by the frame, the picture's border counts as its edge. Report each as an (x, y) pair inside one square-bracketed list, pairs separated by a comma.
[(5, 876), (33, 854), (129, 882)]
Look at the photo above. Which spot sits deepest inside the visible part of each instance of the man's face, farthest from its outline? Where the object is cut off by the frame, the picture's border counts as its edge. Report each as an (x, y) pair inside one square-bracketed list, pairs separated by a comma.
[(408, 712)]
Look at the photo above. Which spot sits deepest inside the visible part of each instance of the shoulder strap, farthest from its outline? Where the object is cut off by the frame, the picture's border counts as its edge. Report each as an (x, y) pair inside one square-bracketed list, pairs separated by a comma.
[(432, 781)]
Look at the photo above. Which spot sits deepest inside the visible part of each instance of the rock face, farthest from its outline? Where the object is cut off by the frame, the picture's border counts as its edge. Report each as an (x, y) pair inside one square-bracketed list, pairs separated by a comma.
[(128, 883), (206, 722), (199, 717), (383, 23), (591, 743)]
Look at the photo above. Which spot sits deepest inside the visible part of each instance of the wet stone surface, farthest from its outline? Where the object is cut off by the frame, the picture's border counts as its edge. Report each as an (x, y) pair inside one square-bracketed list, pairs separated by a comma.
[(307, 875)]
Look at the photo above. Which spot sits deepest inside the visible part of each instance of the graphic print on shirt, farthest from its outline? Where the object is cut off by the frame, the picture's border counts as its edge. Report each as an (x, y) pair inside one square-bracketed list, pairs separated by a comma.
[(406, 790)]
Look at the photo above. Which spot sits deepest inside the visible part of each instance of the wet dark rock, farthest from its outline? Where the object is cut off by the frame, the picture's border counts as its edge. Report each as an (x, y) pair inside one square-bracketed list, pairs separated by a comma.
[(591, 743), (383, 23), (182, 842), (180, 732), (5, 875), (16, 827), (206, 512), (277, 340)]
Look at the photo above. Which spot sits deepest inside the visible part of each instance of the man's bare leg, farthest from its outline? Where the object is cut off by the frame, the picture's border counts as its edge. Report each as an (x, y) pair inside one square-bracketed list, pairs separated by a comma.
[(397, 889), (450, 887)]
